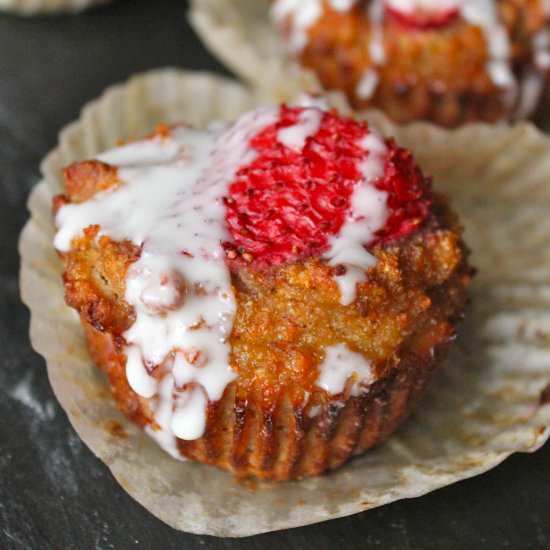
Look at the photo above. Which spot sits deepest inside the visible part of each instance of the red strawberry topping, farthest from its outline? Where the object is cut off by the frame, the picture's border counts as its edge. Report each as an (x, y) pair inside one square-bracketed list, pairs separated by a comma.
[(423, 18), (286, 204)]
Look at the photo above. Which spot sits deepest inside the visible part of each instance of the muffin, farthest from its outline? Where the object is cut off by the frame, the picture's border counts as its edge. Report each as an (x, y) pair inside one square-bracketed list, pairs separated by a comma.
[(270, 297), (449, 62)]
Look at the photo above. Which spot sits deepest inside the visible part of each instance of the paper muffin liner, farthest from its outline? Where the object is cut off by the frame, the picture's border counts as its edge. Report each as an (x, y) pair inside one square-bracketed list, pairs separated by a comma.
[(48, 7), (489, 400), (291, 440)]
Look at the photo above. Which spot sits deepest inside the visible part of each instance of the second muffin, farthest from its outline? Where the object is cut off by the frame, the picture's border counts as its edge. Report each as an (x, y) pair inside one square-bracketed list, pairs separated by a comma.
[(448, 62)]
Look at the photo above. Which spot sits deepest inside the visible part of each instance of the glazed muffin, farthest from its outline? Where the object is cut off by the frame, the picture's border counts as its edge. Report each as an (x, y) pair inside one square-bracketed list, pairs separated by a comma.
[(270, 297), (449, 62)]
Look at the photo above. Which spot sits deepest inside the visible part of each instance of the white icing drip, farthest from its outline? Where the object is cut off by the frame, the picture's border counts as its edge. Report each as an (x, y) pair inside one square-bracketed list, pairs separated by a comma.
[(377, 50), (189, 419), (307, 101), (367, 85), (314, 411), (136, 373), (484, 14), (532, 85), (368, 214), (166, 441), (170, 203), (302, 15), (534, 79), (339, 365), (154, 151), (541, 50), (308, 125), (162, 406)]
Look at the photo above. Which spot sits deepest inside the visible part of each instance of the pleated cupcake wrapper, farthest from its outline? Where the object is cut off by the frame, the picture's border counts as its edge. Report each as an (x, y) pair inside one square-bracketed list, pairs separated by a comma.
[(47, 7), (285, 440), (483, 405)]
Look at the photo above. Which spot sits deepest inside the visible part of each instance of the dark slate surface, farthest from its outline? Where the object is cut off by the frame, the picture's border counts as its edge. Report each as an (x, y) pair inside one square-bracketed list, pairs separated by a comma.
[(53, 492)]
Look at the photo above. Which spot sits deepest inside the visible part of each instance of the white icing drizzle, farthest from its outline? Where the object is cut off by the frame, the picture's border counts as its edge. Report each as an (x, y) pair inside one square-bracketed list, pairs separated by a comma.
[(531, 86), (366, 87), (339, 365), (136, 373), (368, 214), (307, 101), (541, 41), (484, 14), (377, 50), (342, 5), (304, 14), (308, 125), (314, 411), (541, 49), (534, 79), (164, 409), (170, 204), (189, 418)]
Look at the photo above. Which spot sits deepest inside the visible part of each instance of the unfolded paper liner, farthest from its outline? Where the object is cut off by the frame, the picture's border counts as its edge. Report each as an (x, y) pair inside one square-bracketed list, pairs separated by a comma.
[(48, 7), (485, 403)]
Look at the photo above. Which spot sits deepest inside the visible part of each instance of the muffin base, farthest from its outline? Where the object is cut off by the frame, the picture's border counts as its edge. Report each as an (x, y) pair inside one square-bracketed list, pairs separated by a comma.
[(284, 441)]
